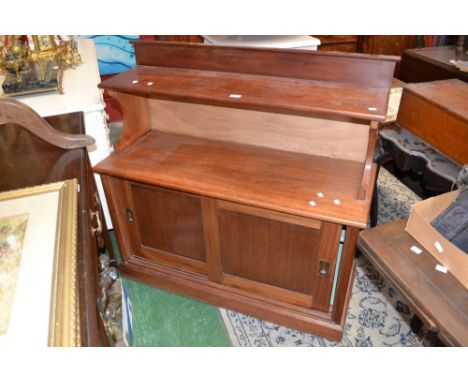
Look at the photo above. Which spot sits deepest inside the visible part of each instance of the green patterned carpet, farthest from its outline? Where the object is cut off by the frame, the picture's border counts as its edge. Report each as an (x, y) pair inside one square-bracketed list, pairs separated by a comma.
[(166, 319)]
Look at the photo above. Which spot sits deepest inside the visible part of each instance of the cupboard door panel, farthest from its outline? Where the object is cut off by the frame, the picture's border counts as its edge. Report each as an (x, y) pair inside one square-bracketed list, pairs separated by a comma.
[(169, 221), (267, 251)]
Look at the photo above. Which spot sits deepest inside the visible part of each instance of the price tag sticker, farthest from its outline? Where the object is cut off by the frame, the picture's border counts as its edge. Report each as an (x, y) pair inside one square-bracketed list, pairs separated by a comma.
[(441, 268), (416, 250), (439, 247)]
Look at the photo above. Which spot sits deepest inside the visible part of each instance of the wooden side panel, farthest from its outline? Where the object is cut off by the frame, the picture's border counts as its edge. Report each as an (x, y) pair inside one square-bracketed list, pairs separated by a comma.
[(268, 251), (370, 168), (343, 139), (169, 221), (375, 71), (118, 199), (345, 277), (135, 117)]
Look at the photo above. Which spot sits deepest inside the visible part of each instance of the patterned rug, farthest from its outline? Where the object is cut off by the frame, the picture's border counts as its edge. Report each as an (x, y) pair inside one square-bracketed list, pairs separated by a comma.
[(377, 315)]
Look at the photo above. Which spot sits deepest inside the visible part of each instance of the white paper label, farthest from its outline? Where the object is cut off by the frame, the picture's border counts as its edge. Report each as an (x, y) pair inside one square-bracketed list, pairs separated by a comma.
[(320, 195), (235, 96), (441, 268), (312, 203), (416, 250), (337, 202), (439, 247)]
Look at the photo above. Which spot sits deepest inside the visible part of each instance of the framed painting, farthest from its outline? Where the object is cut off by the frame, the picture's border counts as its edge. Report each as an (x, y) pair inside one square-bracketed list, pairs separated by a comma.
[(39, 302)]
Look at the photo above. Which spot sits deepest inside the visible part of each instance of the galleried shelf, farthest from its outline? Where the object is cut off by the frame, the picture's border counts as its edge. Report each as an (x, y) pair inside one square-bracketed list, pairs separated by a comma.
[(237, 171)]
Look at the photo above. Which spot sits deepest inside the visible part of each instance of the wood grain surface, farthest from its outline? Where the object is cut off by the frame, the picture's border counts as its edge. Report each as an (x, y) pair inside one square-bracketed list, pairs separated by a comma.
[(437, 112), (257, 176), (263, 93), (331, 137), (366, 70), (439, 299)]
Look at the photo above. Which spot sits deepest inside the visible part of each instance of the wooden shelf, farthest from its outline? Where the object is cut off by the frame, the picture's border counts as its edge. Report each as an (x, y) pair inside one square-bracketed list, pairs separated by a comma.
[(258, 92), (257, 176)]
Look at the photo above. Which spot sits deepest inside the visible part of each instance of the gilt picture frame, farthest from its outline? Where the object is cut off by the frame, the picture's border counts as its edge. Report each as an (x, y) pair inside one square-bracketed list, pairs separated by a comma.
[(45, 308)]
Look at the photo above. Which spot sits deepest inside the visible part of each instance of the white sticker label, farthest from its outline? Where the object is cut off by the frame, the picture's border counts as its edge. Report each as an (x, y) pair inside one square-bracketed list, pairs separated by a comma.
[(149, 83), (235, 96), (320, 195), (439, 247), (416, 250), (312, 203), (441, 268), (337, 202), (372, 109)]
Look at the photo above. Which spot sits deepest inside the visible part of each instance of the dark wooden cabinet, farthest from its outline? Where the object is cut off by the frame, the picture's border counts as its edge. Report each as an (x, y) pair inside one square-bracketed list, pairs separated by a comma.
[(431, 64), (27, 160), (370, 44), (338, 43), (180, 38), (387, 44), (238, 170)]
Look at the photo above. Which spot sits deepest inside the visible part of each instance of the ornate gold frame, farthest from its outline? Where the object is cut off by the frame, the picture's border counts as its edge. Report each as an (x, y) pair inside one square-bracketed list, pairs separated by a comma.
[(64, 322)]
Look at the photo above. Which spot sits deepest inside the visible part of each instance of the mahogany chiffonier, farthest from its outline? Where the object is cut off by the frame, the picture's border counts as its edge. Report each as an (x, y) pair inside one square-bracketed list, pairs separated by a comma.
[(237, 171)]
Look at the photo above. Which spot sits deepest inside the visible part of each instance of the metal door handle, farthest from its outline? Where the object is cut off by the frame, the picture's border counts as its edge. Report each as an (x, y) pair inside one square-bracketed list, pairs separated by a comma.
[(98, 229), (324, 267)]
